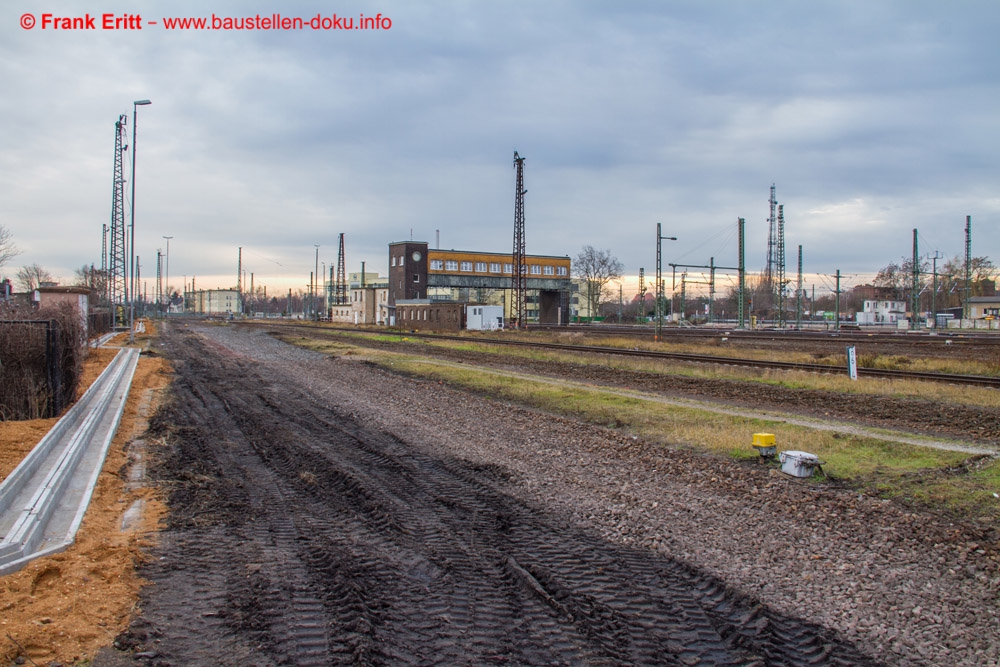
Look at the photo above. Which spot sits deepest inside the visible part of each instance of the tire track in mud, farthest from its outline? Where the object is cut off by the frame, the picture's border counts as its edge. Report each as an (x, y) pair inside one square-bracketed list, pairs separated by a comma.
[(298, 536)]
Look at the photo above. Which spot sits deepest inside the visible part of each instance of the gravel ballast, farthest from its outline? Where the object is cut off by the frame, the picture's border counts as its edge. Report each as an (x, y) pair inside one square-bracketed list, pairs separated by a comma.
[(909, 588)]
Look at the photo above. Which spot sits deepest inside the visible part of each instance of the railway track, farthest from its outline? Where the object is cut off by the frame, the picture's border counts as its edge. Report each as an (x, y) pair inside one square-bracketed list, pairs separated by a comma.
[(950, 378), (963, 338)]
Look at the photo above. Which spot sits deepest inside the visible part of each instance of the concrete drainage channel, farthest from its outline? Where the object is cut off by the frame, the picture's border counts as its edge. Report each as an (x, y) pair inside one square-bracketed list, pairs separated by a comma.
[(44, 499)]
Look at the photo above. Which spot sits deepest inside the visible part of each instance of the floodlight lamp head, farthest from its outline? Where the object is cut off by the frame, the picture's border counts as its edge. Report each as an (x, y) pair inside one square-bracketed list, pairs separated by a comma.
[(140, 103)]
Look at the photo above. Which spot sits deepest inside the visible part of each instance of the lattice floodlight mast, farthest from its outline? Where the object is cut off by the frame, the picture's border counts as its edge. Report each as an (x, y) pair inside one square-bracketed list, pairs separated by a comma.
[(519, 277), (772, 222), (118, 267), (340, 294)]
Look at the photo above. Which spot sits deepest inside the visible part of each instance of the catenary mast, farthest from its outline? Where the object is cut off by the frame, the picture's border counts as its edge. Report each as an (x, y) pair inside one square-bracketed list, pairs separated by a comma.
[(519, 278), (118, 267)]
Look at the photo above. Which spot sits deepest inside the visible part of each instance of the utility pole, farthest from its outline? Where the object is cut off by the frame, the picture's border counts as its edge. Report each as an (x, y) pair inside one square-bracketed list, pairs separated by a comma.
[(104, 266), (519, 278), (915, 287), (131, 226), (711, 290), (711, 266), (166, 280), (798, 295), (619, 303), (683, 296), (641, 312), (934, 259), (780, 260), (659, 280), (239, 278), (741, 309), (836, 315), (968, 267), (316, 274), (159, 281)]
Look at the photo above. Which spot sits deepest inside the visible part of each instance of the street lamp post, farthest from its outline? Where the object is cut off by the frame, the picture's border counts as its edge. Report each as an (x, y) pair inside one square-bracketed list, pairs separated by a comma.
[(167, 280), (131, 227)]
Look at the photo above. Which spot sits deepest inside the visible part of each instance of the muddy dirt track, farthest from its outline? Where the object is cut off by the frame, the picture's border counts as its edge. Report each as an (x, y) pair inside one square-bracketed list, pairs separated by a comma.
[(301, 535)]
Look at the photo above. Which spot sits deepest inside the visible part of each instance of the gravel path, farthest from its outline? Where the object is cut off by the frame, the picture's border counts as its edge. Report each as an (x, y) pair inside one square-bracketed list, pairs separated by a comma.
[(911, 589)]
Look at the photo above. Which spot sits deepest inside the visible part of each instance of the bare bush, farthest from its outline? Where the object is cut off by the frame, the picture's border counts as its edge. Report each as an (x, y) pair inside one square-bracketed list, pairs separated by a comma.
[(41, 361)]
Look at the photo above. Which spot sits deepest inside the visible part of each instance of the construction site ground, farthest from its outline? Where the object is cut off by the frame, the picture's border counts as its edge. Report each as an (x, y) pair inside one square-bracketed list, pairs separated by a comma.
[(327, 511), (65, 607)]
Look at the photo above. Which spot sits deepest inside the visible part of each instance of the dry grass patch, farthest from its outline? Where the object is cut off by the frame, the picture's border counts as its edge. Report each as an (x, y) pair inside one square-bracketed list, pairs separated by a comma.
[(836, 382)]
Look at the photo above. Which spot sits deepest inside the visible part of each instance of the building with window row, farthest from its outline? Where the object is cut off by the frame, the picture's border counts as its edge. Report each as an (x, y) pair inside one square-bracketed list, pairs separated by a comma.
[(417, 272)]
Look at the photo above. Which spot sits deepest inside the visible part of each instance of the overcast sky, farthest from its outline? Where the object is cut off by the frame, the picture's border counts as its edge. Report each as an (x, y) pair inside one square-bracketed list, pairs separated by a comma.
[(872, 119)]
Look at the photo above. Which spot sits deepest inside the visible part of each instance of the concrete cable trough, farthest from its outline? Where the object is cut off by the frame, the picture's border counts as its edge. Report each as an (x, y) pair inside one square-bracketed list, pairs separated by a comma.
[(44, 499)]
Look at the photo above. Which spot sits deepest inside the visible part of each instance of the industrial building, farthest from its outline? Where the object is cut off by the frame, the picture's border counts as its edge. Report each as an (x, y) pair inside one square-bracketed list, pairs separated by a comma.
[(365, 300), (214, 302), (421, 274), (417, 314)]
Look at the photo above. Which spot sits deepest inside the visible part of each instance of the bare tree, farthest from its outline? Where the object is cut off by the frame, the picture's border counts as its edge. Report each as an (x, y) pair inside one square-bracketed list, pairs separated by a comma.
[(8, 250), (32, 276), (597, 268), (93, 278)]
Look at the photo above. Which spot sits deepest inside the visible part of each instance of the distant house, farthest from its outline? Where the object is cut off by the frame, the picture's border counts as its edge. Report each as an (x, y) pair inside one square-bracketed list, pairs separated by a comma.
[(215, 302), (55, 296), (984, 306), (881, 312)]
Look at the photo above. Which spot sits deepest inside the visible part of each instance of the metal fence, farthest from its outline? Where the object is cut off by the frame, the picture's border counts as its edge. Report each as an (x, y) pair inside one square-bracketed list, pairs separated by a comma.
[(38, 374)]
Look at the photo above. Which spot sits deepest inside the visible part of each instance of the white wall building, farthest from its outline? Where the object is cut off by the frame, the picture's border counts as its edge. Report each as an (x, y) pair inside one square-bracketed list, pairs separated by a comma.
[(484, 318), (215, 301), (881, 312)]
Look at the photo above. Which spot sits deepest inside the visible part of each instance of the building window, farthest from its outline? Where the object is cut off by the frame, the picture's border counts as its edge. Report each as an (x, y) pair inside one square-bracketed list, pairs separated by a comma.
[(536, 270), (548, 270), (480, 267), (451, 265), (416, 277), (508, 268), (393, 260), (466, 266), (494, 267), (561, 271), (436, 265)]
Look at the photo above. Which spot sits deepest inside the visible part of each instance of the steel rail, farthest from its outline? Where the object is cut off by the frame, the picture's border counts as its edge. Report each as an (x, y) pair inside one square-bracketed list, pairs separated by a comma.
[(974, 380), (959, 337)]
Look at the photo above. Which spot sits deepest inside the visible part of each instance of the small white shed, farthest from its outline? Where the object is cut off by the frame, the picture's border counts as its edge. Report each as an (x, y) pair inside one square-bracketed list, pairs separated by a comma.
[(484, 318)]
